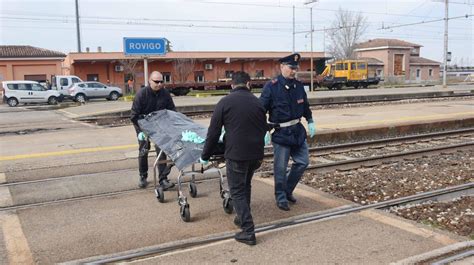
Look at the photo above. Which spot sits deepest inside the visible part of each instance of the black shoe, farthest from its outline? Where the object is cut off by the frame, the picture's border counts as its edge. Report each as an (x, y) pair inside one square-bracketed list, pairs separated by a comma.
[(283, 206), (237, 221), (291, 198), (165, 184), (245, 238), (142, 182)]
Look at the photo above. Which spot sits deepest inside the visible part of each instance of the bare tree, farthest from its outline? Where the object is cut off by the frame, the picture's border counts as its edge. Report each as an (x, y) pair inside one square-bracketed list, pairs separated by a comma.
[(183, 68), (346, 30), (129, 66)]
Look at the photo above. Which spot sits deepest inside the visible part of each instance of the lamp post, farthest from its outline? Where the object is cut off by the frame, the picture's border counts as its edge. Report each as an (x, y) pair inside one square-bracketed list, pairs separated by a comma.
[(311, 36)]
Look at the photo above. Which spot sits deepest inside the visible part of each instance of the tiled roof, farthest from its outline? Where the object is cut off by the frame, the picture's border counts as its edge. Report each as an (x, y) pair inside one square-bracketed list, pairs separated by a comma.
[(421, 60), (371, 61), (25, 51), (199, 55), (385, 43)]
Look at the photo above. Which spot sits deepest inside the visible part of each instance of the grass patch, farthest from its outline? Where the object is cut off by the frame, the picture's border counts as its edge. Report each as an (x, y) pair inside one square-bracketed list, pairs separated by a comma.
[(128, 98), (432, 224)]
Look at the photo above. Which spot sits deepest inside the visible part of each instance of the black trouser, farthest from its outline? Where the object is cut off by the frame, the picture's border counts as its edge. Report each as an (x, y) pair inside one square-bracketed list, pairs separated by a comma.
[(143, 148), (239, 177)]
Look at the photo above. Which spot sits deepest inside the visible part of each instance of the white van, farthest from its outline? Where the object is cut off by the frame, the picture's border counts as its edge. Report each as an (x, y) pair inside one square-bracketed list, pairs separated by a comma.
[(16, 92), (62, 83)]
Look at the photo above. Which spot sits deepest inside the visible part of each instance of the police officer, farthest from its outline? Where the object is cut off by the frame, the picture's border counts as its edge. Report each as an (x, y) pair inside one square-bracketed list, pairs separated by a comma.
[(245, 123), (148, 99), (286, 102)]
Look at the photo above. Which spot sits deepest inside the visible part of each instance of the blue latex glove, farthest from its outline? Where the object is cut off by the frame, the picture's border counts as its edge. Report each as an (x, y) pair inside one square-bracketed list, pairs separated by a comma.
[(267, 138), (142, 136), (312, 129), (203, 162)]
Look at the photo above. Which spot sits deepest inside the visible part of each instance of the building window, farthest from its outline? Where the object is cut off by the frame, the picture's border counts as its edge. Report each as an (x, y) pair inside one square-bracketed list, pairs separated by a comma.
[(93, 77), (430, 72), (418, 73), (199, 76), (166, 77), (379, 72), (228, 74), (259, 74), (37, 78)]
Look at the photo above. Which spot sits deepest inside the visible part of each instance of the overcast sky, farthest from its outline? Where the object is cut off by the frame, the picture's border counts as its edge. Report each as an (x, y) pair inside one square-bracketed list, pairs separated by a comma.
[(229, 25)]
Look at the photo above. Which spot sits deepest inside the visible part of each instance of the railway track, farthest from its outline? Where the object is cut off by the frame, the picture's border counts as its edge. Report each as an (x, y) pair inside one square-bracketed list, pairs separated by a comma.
[(122, 118), (351, 155), (458, 139), (315, 216)]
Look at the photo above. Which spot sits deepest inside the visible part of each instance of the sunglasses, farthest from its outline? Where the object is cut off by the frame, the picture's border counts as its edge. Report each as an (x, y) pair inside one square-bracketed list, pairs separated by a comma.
[(157, 81)]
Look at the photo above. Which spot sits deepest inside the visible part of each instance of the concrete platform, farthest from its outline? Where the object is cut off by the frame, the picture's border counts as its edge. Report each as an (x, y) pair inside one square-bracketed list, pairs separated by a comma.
[(370, 237), (94, 144), (81, 229), (187, 103)]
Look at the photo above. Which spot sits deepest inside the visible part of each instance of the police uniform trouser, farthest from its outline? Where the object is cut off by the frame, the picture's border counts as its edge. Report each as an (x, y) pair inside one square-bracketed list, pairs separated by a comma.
[(285, 182), (143, 148), (239, 177)]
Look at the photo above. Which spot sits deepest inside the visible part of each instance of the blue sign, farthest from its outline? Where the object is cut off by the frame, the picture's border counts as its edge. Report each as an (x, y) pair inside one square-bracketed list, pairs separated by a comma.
[(144, 46)]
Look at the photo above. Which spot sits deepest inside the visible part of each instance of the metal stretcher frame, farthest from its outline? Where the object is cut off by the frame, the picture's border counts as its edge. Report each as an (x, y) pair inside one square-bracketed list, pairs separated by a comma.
[(185, 214)]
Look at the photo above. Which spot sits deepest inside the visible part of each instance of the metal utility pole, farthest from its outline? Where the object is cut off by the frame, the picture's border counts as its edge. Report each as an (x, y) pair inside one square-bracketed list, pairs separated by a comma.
[(311, 32), (294, 33), (445, 57), (77, 27), (145, 70)]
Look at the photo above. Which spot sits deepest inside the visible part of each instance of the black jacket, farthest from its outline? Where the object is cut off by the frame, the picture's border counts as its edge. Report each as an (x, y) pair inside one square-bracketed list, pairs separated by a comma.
[(147, 101), (245, 123)]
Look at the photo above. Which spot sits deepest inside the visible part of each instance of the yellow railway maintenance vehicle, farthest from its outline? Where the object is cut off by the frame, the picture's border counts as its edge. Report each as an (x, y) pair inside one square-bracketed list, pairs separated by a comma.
[(349, 73)]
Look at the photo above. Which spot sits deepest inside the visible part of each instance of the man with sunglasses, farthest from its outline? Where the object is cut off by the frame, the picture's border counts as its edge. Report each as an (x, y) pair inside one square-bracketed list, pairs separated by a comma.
[(148, 99), (286, 101)]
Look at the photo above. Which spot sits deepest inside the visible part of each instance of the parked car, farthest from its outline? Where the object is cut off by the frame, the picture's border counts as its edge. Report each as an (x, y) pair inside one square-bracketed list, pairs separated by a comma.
[(83, 91), (16, 92), (63, 83)]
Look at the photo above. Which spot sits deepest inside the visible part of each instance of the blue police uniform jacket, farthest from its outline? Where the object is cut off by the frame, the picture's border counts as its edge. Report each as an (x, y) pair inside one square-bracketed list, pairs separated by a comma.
[(285, 100)]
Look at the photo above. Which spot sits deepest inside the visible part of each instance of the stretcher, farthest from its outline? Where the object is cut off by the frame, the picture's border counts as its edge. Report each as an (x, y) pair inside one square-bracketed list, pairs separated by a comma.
[(164, 128)]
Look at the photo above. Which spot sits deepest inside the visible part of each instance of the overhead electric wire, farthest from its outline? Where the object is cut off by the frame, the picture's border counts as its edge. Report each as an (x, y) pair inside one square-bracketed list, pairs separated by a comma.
[(424, 22), (144, 23)]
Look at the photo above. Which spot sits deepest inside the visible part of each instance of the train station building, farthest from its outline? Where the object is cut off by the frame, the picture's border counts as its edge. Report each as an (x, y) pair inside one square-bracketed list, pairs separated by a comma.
[(401, 60), (23, 62), (182, 67)]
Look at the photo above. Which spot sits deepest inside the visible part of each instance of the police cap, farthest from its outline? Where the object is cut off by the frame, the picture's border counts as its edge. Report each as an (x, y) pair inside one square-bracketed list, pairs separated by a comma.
[(291, 60)]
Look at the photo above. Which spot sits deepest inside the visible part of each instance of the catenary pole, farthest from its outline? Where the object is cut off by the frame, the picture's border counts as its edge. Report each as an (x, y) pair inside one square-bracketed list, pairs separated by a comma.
[(445, 57), (294, 33), (78, 31)]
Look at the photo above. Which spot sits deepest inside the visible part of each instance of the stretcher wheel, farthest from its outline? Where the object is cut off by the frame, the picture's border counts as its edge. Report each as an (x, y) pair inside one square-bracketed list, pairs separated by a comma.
[(228, 205), (184, 212), (160, 194), (224, 193), (193, 189)]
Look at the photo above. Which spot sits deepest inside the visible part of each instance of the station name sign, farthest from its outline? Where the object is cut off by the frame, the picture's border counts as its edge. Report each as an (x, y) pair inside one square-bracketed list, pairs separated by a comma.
[(144, 46)]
